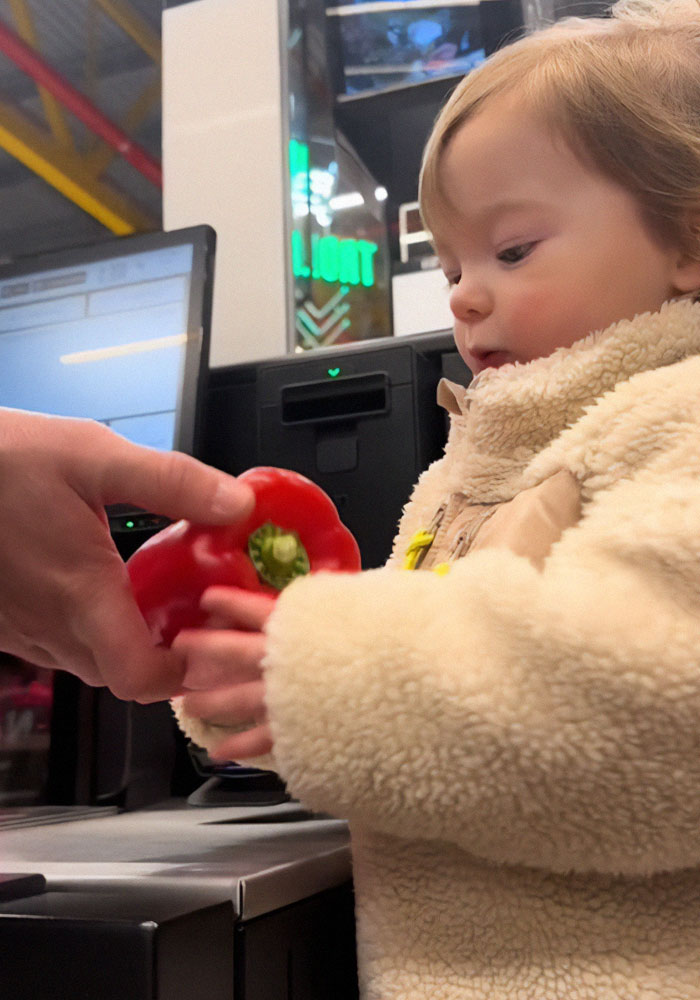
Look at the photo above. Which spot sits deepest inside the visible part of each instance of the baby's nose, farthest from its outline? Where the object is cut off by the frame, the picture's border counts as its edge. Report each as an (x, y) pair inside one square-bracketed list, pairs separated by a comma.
[(470, 298)]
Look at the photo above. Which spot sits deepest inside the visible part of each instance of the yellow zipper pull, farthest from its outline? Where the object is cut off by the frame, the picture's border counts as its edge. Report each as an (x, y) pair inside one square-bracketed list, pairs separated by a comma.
[(417, 547), (421, 542)]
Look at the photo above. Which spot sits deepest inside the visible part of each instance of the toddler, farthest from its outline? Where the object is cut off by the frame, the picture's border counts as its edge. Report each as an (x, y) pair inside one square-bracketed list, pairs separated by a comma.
[(508, 713)]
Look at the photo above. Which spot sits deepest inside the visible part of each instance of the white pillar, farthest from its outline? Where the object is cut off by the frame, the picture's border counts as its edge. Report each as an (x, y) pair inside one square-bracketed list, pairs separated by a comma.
[(225, 139)]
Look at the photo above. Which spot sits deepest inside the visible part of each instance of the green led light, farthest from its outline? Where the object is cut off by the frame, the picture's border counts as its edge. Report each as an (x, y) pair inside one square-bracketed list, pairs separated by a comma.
[(130, 524), (334, 372)]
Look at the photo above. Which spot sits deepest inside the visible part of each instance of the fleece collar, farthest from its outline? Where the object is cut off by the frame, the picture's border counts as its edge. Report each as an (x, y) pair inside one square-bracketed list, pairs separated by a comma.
[(510, 414), (530, 404)]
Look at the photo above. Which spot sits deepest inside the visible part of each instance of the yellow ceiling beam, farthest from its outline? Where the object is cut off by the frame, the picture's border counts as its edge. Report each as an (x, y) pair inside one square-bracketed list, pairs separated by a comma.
[(52, 108), (66, 172), (135, 27)]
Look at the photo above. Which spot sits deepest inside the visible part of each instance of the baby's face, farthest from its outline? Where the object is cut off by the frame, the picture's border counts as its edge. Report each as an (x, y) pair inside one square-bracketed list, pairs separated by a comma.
[(539, 249)]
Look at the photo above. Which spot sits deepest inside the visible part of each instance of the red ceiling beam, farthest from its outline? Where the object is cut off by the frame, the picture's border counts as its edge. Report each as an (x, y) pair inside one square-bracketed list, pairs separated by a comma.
[(33, 65)]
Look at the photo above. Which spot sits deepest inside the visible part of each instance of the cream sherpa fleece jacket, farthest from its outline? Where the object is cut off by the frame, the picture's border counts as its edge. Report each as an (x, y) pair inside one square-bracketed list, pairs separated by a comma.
[(518, 749)]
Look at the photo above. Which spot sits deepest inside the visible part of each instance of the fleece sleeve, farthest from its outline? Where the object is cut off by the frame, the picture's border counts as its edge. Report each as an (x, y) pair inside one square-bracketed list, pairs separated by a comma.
[(540, 717)]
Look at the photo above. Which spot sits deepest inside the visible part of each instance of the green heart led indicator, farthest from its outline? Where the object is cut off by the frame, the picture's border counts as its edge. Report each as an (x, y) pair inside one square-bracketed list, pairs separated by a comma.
[(334, 372)]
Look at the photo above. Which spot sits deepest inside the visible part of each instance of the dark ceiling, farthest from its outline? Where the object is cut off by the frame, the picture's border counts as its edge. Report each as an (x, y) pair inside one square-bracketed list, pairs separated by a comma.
[(109, 52)]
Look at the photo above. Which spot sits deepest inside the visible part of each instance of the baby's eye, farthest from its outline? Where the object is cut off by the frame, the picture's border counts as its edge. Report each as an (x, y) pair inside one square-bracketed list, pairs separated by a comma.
[(513, 255), (451, 280)]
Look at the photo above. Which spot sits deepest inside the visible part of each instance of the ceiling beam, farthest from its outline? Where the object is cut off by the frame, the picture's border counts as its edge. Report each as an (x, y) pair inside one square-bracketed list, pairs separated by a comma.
[(52, 108), (30, 62), (135, 27), (66, 171), (98, 159)]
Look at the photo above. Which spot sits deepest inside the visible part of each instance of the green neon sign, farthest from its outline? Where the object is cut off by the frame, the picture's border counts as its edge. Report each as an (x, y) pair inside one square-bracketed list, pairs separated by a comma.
[(348, 261)]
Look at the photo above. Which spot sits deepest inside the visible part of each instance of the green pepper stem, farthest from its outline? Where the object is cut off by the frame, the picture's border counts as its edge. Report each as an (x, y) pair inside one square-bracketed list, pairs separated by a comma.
[(282, 550), (278, 555)]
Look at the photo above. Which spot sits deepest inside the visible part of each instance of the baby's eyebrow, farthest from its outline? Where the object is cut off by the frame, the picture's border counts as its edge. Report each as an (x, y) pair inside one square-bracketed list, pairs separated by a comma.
[(505, 205)]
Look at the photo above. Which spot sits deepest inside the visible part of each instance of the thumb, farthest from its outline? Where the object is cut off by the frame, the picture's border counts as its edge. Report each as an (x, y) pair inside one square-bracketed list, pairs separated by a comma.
[(171, 484)]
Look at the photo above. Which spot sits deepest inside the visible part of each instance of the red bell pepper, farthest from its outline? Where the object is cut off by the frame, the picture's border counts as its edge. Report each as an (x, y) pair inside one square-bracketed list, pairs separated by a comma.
[(293, 529)]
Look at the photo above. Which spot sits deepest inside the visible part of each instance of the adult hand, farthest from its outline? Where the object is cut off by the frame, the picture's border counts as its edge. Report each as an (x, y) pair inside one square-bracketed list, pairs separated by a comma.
[(65, 599), (224, 679)]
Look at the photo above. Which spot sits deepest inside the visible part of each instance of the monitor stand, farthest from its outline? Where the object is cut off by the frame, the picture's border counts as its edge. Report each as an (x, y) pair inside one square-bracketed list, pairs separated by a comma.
[(234, 785)]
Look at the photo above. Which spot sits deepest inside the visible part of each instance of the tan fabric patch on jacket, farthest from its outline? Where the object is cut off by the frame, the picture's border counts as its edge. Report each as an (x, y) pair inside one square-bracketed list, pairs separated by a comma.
[(528, 525), (535, 519)]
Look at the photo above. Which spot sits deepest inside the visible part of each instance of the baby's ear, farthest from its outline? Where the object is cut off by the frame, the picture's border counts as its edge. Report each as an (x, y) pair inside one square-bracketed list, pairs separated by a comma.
[(687, 276), (687, 273)]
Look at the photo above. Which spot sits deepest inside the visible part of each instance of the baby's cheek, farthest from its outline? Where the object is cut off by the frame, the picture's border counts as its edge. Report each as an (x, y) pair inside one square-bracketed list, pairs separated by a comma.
[(542, 320)]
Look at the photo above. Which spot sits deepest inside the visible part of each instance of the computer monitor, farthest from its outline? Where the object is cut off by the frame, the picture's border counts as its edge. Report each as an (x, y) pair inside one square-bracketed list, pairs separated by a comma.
[(116, 331)]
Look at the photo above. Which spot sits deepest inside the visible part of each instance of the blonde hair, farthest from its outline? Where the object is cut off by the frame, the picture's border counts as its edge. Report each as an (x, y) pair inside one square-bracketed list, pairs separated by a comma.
[(624, 94)]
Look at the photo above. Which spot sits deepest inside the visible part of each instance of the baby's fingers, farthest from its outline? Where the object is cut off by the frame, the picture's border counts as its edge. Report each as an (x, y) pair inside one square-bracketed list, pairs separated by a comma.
[(230, 706), (252, 743), (219, 658), (238, 608)]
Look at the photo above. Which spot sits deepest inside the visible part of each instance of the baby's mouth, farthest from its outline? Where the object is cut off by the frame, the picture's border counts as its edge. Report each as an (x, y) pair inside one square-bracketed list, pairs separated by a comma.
[(490, 359)]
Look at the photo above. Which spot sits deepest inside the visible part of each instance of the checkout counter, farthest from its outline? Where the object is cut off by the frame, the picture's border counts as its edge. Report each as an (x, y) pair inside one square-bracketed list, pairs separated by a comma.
[(177, 903)]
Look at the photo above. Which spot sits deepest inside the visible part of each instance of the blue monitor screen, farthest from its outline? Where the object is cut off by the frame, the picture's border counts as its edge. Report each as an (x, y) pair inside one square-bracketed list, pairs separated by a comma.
[(108, 334)]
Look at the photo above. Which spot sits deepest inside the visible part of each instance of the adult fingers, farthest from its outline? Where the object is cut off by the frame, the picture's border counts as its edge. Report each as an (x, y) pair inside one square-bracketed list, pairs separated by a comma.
[(157, 676), (169, 483), (68, 604), (121, 646)]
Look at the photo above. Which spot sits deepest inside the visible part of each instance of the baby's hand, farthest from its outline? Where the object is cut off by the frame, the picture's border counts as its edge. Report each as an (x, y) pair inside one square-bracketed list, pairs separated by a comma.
[(223, 680)]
